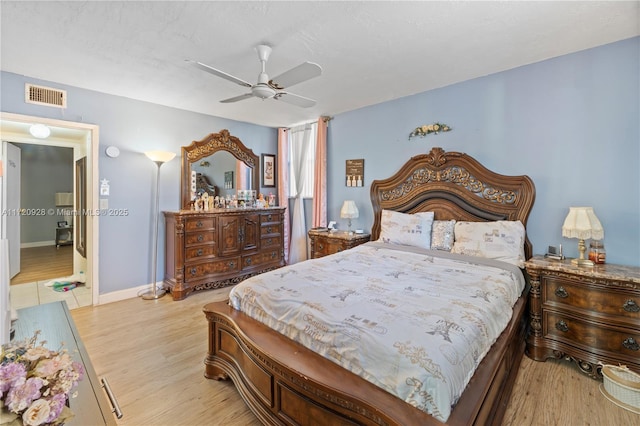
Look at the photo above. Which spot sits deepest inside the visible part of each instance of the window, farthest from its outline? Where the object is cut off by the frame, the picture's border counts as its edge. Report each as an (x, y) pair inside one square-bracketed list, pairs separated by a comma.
[(302, 151)]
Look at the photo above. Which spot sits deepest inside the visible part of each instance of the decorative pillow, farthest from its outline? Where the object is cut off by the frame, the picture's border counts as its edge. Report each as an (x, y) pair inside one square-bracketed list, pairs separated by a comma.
[(406, 229), (442, 234), (501, 240)]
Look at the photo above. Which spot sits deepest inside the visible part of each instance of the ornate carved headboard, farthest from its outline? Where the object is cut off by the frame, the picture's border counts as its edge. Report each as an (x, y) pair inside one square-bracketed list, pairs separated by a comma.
[(453, 185)]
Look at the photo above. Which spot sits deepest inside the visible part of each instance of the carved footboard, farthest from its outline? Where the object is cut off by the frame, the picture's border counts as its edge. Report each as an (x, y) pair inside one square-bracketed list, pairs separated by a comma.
[(284, 383)]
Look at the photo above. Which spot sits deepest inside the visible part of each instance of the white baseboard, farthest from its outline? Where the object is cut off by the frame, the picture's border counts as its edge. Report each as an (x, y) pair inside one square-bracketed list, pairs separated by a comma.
[(128, 293), (38, 244)]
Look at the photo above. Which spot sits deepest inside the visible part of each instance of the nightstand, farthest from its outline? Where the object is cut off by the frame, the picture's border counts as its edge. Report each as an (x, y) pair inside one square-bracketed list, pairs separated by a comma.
[(324, 243), (589, 315)]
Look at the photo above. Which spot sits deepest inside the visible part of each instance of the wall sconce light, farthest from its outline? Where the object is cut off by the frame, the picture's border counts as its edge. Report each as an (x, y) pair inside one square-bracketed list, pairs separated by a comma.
[(39, 131)]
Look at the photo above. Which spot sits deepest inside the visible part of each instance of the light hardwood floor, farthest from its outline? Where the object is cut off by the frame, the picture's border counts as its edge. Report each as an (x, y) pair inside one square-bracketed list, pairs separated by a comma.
[(152, 353), (44, 263)]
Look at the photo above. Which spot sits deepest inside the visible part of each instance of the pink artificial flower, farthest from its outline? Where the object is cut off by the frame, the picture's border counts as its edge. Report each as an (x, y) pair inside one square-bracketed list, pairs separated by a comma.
[(9, 374), (23, 393)]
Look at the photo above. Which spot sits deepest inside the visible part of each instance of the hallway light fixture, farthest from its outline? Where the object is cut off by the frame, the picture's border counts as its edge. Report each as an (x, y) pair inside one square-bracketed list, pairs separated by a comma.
[(158, 157), (39, 131)]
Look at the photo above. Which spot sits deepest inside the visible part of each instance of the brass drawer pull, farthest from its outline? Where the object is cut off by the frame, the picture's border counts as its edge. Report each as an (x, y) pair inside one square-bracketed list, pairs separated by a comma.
[(320, 246), (631, 344), (200, 238), (248, 261), (199, 224), (561, 292), (631, 306), (194, 271), (269, 218), (562, 326), (269, 230), (274, 254), (199, 252), (231, 264)]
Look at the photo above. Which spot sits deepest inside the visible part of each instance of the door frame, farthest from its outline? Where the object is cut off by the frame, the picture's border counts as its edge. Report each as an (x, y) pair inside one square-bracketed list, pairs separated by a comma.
[(15, 128)]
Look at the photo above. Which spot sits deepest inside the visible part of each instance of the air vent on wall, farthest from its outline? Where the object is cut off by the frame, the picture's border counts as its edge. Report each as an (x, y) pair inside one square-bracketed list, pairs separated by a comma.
[(45, 96)]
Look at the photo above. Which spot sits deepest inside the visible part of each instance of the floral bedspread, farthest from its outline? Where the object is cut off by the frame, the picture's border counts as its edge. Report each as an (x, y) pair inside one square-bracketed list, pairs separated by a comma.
[(414, 322)]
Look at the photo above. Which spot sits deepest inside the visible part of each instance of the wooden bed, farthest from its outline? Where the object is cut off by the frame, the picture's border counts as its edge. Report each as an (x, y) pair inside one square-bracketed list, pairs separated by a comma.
[(284, 383)]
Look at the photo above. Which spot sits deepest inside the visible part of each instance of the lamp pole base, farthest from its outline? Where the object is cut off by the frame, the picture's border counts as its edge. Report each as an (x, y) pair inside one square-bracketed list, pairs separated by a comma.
[(582, 262), (150, 295)]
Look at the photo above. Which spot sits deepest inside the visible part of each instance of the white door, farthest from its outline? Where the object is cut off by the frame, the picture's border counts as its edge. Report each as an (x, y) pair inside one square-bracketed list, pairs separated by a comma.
[(11, 204)]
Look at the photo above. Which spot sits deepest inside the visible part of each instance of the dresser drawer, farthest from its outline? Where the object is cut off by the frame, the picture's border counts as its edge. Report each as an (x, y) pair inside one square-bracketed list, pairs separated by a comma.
[(199, 223), (262, 258), (271, 229), (269, 242), (269, 217), (199, 237), (200, 270), (199, 252), (574, 294), (592, 337)]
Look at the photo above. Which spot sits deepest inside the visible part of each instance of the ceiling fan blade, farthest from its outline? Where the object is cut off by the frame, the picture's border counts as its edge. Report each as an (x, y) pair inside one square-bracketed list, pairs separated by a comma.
[(219, 73), (302, 72), (237, 98), (292, 99)]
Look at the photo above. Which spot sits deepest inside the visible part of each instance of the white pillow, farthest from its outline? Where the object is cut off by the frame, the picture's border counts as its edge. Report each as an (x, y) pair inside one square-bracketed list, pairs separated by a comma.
[(406, 229), (501, 240), (442, 233)]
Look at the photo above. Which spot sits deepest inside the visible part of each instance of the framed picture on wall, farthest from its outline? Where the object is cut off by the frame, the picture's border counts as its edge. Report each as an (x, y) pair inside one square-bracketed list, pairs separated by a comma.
[(268, 170)]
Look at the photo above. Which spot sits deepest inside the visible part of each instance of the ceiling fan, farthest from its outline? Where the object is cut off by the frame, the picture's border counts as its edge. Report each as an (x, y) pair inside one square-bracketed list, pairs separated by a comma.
[(267, 88)]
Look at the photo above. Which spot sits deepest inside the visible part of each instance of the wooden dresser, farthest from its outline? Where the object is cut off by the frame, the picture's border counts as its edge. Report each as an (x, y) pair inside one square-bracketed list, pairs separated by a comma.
[(213, 249), (324, 243), (590, 315)]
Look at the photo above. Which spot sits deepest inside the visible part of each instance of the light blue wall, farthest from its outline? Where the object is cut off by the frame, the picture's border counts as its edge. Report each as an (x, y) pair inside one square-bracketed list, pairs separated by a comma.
[(44, 171), (570, 123), (125, 248)]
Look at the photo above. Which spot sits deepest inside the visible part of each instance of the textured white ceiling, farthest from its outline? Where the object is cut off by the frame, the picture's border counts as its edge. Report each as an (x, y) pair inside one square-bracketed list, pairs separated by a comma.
[(370, 52)]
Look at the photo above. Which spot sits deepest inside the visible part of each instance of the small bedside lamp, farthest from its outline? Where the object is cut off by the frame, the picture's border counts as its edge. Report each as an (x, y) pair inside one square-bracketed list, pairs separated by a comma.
[(349, 211), (582, 223)]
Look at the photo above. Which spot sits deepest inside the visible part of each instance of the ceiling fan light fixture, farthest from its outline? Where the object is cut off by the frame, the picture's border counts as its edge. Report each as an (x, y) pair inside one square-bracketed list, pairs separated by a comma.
[(263, 91)]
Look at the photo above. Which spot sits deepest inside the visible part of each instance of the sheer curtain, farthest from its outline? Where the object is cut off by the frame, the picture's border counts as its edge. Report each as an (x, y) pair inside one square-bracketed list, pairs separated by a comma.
[(283, 185), (300, 147), (320, 175)]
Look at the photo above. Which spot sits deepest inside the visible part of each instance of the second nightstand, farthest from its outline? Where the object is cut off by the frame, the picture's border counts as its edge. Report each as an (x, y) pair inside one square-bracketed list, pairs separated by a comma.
[(324, 243), (588, 315)]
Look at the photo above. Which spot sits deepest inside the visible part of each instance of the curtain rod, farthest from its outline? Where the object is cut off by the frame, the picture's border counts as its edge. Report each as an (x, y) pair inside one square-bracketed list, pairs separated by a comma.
[(325, 118)]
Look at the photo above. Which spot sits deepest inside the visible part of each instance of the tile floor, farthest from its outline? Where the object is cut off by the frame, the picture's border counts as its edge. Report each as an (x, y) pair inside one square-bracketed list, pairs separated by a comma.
[(31, 294)]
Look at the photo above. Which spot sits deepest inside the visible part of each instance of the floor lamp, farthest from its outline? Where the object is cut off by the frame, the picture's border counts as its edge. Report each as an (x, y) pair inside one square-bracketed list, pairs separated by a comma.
[(158, 157)]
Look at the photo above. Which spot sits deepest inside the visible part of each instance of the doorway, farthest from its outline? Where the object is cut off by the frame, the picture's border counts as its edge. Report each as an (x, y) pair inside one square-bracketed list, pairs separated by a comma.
[(83, 140)]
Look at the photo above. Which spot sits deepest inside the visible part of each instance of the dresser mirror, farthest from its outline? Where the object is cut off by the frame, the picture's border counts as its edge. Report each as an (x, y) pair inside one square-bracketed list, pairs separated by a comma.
[(223, 165)]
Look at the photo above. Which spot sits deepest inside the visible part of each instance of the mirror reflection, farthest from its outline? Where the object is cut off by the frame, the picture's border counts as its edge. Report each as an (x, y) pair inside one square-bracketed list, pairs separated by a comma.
[(219, 165), (222, 174)]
